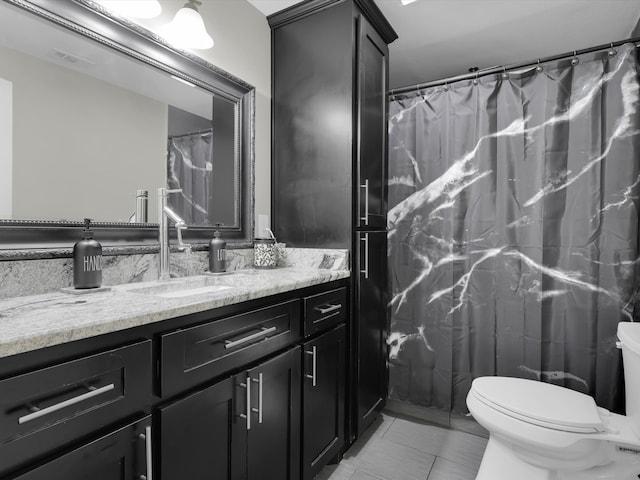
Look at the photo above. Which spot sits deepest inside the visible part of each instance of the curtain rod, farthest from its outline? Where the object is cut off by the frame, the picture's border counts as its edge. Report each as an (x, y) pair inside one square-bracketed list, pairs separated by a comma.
[(199, 132), (516, 66)]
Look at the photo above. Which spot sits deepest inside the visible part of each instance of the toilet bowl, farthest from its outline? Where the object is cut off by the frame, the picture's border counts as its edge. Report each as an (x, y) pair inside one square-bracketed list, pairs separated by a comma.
[(539, 431)]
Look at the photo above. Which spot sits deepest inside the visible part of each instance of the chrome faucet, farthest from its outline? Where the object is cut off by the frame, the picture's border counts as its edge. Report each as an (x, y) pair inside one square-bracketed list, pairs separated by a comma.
[(164, 214)]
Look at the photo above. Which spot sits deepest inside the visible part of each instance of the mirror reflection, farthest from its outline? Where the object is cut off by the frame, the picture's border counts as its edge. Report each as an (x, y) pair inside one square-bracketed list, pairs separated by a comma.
[(83, 128)]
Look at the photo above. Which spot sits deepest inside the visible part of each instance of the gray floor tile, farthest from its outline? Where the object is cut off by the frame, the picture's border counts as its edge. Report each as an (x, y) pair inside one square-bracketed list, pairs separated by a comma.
[(453, 445), (336, 472), (468, 424), (390, 460), (359, 475), (444, 469)]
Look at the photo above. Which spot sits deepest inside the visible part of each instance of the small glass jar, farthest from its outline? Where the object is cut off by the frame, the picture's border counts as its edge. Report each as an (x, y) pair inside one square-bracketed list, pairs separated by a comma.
[(265, 254)]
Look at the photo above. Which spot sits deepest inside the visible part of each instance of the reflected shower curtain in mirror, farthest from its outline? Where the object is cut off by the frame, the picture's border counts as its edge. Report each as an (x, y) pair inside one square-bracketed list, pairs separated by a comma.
[(190, 167), (513, 229)]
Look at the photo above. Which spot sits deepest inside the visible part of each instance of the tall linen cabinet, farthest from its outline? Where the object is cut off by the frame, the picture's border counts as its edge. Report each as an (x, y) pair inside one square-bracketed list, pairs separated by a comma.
[(329, 165)]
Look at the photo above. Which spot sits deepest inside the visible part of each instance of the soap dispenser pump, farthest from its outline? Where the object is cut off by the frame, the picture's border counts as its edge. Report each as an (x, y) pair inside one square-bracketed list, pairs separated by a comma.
[(87, 260), (217, 252)]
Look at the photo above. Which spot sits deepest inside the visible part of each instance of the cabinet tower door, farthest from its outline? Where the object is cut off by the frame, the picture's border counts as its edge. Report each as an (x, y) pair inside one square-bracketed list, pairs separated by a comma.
[(372, 127), (371, 327)]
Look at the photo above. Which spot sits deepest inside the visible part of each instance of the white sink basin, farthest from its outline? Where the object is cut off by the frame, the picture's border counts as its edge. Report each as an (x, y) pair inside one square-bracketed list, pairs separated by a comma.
[(180, 287)]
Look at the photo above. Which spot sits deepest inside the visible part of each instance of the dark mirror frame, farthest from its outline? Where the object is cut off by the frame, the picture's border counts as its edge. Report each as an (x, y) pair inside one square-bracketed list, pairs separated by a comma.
[(92, 21)]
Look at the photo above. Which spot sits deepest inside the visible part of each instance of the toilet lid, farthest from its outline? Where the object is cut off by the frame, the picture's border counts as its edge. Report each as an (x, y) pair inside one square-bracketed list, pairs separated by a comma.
[(540, 403)]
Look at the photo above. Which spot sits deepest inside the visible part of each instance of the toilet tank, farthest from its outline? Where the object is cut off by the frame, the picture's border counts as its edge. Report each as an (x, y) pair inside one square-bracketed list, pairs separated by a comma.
[(629, 335)]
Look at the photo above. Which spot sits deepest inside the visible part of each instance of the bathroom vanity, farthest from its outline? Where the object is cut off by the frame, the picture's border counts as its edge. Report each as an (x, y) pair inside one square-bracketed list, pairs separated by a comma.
[(245, 380)]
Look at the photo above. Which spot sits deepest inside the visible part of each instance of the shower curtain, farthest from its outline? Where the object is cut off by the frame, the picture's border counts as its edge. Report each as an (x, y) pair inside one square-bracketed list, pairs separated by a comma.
[(190, 167), (513, 229)]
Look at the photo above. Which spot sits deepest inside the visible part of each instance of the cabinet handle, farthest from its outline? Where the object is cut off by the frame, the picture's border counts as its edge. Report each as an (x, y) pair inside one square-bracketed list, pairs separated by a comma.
[(366, 201), (259, 409), (263, 331), (146, 436), (313, 365), (365, 239), (329, 308), (93, 392), (247, 385)]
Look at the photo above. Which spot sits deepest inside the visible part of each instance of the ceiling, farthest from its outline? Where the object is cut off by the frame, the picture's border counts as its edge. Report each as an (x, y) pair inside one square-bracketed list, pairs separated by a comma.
[(444, 38)]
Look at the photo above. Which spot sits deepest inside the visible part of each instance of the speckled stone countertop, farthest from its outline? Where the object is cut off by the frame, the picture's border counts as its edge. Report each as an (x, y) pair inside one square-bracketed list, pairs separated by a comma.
[(38, 321)]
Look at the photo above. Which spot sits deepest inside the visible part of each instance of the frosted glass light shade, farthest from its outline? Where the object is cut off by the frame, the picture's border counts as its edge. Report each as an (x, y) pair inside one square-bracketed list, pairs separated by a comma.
[(187, 30), (133, 8)]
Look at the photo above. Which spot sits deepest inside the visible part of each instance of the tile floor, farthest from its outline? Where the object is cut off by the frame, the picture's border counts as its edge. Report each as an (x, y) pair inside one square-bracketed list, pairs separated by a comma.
[(400, 448)]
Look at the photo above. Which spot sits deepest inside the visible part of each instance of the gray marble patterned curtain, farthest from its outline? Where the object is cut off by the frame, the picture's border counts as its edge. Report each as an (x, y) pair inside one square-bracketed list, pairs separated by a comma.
[(190, 167), (513, 229)]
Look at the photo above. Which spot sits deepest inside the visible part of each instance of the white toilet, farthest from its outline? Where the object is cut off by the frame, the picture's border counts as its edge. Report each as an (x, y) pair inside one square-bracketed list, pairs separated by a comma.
[(540, 431)]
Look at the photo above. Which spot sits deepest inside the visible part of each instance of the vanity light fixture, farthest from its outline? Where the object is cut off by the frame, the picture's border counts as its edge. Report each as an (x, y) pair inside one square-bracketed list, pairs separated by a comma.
[(133, 8), (187, 29), (406, 2)]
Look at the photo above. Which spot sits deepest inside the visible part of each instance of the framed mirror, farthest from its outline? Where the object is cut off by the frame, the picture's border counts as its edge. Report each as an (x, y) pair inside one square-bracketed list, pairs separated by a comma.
[(94, 109)]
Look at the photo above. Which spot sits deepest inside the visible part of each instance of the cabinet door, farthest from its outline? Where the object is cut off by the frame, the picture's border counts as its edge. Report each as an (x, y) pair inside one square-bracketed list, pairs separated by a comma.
[(372, 127), (121, 455), (273, 436), (371, 327), (323, 400), (199, 434)]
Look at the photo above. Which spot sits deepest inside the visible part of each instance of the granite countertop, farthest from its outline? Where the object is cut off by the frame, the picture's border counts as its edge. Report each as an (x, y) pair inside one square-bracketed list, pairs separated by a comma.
[(38, 321)]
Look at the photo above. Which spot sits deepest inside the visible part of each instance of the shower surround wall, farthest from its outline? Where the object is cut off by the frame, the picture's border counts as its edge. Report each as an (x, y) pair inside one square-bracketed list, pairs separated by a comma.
[(513, 229)]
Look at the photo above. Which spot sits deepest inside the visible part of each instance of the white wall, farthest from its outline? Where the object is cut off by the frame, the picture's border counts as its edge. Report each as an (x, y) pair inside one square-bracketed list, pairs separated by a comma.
[(6, 147), (243, 48)]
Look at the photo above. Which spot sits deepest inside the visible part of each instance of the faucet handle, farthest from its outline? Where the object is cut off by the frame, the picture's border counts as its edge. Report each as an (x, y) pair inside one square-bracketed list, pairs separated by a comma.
[(174, 190)]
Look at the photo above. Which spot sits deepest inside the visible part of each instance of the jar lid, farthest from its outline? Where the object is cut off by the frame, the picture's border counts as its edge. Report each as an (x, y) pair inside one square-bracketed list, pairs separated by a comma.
[(264, 240)]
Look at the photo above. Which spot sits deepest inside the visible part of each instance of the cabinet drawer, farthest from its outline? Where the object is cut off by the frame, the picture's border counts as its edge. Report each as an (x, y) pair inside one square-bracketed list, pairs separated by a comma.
[(45, 409), (197, 354), (324, 310)]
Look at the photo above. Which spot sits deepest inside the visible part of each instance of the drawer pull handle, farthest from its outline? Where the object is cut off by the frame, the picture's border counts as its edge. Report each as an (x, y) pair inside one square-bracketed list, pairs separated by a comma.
[(324, 309), (146, 436), (72, 401), (264, 331), (313, 365), (365, 261), (365, 219), (259, 409), (247, 417)]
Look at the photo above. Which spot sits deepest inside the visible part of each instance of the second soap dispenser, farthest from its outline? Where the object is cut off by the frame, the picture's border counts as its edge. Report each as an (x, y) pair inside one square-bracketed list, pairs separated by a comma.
[(217, 253)]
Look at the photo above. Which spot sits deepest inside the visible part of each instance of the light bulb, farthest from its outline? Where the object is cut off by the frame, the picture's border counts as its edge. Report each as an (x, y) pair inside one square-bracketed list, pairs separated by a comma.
[(187, 30)]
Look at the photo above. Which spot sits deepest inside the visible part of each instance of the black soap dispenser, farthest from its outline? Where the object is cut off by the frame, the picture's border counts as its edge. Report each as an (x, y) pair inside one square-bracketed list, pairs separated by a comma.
[(217, 253), (87, 260)]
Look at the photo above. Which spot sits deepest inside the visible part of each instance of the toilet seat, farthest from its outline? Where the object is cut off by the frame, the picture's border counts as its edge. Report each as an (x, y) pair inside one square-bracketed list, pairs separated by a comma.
[(541, 404)]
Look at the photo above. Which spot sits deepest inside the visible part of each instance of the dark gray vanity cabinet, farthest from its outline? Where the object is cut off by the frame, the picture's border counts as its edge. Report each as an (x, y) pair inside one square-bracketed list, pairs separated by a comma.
[(329, 163), (222, 393), (243, 427)]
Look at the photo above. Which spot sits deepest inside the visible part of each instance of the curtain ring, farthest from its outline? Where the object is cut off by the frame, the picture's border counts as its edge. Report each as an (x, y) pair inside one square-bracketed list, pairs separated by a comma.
[(446, 87), (475, 80), (539, 68), (612, 51), (575, 60), (505, 75)]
